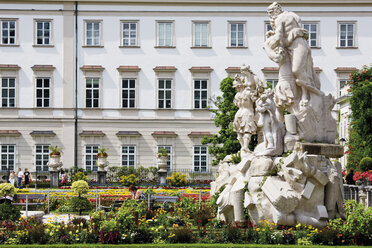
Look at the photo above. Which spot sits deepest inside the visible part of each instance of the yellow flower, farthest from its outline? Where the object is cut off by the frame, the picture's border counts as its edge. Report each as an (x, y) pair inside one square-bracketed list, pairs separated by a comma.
[(257, 229)]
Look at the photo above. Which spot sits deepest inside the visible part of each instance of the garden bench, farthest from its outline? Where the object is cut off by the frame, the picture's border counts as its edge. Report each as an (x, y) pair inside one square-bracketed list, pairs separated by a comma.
[(39, 197), (116, 204)]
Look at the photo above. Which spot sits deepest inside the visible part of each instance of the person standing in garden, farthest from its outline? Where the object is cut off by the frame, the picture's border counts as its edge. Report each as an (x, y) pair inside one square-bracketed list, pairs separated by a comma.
[(27, 175), (349, 178), (136, 194), (20, 178), (12, 177)]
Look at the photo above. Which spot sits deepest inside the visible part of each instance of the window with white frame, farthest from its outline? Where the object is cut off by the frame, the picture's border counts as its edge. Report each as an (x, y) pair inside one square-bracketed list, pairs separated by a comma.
[(92, 93), (312, 29), (200, 158), (8, 155), (41, 157), (91, 157), (343, 87), (42, 92), (170, 157), (43, 32), (346, 34), (8, 32), (273, 82), (237, 33), (201, 34), (164, 93), (128, 156), (8, 92), (165, 34), (92, 33), (129, 33), (200, 93), (128, 92)]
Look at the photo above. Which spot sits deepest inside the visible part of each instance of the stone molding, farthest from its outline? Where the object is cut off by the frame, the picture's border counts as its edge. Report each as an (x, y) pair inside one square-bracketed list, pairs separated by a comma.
[(92, 133), (10, 133), (164, 134), (128, 134), (43, 134)]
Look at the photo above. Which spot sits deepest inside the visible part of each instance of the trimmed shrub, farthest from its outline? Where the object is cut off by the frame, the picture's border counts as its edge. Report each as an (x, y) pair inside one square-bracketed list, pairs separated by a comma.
[(9, 212), (365, 164), (7, 189), (80, 187), (177, 179)]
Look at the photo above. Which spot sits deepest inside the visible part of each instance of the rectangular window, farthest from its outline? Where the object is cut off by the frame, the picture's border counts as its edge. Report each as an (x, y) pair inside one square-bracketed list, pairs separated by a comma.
[(128, 156), (43, 92), (343, 87), (93, 33), (164, 93), (200, 94), (43, 31), (8, 32), (42, 157), (170, 157), (312, 29), (273, 82), (130, 33), (8, 92), (200, 158), (8, 157), (92, 93), (165, 34), (91, 157), (128, 93), (237, 34), (347, 34), (201, 33)]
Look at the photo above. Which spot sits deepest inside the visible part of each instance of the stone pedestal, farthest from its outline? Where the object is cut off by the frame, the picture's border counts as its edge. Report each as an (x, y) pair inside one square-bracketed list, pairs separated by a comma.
[(102, 177), (162, 172), (54, 178), (162, 177)]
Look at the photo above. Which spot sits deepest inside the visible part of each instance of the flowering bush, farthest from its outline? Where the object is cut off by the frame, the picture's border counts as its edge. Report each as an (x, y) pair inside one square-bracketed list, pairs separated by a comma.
[(128, 180), (79, 176), (177, 179), (361, 175), (80, 187), (7, 189)]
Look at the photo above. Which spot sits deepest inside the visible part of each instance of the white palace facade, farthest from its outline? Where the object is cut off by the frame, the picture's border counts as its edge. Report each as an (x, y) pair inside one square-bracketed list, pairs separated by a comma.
[(136, 75)]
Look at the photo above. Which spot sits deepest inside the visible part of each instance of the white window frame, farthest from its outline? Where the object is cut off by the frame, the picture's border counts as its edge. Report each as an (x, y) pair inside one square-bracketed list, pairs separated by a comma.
[(7, 153), (244, 45), (36, 21), (129, 22), (172, 37), (8, 89), (194, 35), (317, 40), (128, 89), (99, 44), (200, 90), (354, 40), (340, 89), (200, 155), (44, 167), (93, 156), (274, 81), (43, 88), (92, 89), (15, 32), (165, 90), (128, 154), (170, 155)]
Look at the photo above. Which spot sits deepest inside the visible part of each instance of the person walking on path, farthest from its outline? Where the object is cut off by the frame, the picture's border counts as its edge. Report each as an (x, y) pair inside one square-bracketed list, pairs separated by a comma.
[(12, 177), (27, 175), (20, 178)]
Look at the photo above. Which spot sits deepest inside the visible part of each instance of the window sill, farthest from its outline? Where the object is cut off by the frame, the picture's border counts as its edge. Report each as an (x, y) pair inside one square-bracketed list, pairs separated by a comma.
[(165, 46), (201, 47), (346, 47), (315, 47), (129, 47), (43, 46), (12, 45), (85, 46), (243, 47)]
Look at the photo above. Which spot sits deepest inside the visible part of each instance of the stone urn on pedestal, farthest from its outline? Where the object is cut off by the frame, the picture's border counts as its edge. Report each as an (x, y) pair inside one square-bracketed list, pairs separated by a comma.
[(162, 165), (102, 163), (54, 164)]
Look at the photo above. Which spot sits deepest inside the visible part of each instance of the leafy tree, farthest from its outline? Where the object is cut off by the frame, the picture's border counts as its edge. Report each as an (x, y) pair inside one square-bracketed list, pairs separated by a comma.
[(360, 141)]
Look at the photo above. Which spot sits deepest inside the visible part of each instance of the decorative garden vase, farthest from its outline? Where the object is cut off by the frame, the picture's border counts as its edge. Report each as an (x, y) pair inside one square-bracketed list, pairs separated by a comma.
[(54, 162), (102, 163), (162, 163)]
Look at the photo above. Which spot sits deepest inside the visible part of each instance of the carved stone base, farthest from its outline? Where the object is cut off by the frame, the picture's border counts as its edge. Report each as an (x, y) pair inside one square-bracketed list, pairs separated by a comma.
[(102, 177), (54, 178), (328, 150), (162, 177)]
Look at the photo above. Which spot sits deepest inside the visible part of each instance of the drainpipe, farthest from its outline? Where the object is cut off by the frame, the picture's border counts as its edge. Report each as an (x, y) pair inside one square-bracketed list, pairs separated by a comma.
[(76, 88)]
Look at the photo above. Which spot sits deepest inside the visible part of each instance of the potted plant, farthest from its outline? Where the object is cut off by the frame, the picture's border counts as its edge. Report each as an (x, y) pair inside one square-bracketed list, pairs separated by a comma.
[(162, 159), (102, 159), (55, 158)]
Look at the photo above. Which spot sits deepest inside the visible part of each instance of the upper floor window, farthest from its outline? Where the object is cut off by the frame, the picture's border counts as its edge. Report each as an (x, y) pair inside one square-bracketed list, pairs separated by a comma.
[(92, 93), (42, 157), (91, 157), (200, 158), (343, 88), (43, 92), (200, 93), (128, 156), (129, 33), (8, 154), (346, 34), (165, 34), (312, 29), (237, 34), (43, 32), (93, 33), (201, 34), (273, 82), (8, 32), (8, 92), (164, 93), (128, 93)]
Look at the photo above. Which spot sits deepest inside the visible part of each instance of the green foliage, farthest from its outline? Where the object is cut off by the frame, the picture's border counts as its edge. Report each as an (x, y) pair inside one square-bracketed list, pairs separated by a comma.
[(80, 187), (55, 150), (9, 212), (182, 235), (177, 179), (365, 164), (79, 204), (360, 141), (7, 189), (128, 180), (162, 152), (236, 158), (77, 176), (102, 153)]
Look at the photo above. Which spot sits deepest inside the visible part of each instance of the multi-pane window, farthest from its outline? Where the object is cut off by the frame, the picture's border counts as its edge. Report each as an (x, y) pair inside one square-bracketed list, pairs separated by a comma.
[(43, 92), (8, 92), (200, 93), (128, 93), (93, 33), (312, 29), (201, 34), (273, 82), (200, 158), (165, 93), (170, 157), (165, 34), (128, 156), (92, 93), (41, 157), (43, 29), (8, 32), (8, 157), (347, 34), (237, 34), (91, 157), (343, 87), (130, 33)]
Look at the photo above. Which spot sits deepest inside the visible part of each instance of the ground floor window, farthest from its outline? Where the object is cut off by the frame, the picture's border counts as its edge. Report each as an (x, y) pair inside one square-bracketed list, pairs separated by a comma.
[(41, 157), (128, 156), (91, 157), (200, 158), (8, 157)]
